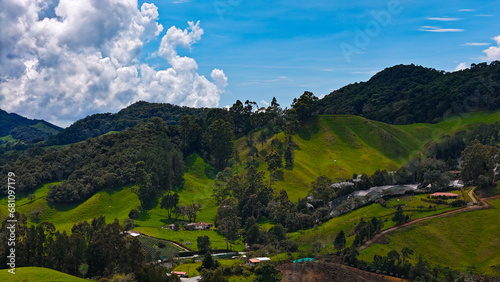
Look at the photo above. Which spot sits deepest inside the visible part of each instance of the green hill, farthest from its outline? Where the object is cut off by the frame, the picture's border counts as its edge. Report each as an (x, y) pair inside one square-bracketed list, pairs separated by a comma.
[(14, 127), (99, 124), (339, 145), (460, 242), (405, 94), (38, 274)]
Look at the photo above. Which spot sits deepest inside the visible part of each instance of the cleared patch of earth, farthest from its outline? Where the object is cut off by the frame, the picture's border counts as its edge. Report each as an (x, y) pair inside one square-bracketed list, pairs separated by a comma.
[(329, 271)]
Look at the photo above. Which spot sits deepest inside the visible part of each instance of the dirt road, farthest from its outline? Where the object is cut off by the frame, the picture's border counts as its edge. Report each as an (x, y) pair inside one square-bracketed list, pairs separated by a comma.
[(380, 237)]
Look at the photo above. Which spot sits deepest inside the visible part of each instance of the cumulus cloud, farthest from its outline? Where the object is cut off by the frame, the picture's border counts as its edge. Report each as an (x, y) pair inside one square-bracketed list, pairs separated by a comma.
[(63, 59), (493, 53)]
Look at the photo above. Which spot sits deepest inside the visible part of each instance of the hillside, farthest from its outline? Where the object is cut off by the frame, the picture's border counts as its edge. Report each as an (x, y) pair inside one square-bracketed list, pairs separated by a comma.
[(14, 127), (37, 274), (468, 241), (406, 94), (99, 124), (339, 145)]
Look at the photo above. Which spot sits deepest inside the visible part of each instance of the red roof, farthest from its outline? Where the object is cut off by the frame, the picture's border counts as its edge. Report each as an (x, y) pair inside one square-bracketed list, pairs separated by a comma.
[(253, 260), (444, 195)]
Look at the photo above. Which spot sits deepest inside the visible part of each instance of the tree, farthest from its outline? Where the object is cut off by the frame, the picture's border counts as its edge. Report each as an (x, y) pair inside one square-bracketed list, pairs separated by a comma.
[(203, 243), (289, 156), (339, 242), (218, 138), (31, 197), (192, 210), (479, 159), (274, 161), (143, 180), (399, 216), (128, 224), (191, 134), (267, 272), (209, 262), (321, 190), (169, 202), (227, 220), (305, 105)]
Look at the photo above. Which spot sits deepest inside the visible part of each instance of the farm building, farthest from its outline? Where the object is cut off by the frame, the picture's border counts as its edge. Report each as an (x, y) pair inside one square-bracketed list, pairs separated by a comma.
[(442, 195), (198, 226), (255, 261), (180, 273), (134, 233)]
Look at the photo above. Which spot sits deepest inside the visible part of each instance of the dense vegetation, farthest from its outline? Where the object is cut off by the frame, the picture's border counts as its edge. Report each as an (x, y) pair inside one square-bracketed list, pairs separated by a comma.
[(21, 128), (93, 249), (98, 124), (406, 94)]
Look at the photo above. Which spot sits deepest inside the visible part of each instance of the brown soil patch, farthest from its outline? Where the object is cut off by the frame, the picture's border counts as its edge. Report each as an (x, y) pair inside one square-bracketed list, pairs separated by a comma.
[(328, 271)]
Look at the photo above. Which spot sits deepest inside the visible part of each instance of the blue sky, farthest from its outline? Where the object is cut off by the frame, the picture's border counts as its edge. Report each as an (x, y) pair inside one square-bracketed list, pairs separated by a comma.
[(283, 48), (112, 53)]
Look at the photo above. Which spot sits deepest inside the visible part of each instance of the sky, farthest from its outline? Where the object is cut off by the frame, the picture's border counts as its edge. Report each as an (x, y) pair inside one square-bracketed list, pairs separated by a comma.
[(61, 60)]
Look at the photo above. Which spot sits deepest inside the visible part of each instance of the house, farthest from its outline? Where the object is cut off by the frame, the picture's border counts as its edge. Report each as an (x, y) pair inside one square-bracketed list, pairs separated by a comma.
[(442, 195), (255, 261), (134, 233), (198, 226), (180, 273)]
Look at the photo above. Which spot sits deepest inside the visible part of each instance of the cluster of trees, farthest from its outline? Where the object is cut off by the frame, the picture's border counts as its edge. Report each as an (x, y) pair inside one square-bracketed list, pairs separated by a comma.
[(94, 249), (98, 163), (405, 94)]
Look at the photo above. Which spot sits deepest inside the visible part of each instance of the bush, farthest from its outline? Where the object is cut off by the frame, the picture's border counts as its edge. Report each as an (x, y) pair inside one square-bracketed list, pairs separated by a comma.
[(134, 214)]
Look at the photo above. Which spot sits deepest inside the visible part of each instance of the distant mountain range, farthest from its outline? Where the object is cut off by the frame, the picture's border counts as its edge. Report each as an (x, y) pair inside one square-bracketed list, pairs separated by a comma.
[(17, 127), (405, 94)]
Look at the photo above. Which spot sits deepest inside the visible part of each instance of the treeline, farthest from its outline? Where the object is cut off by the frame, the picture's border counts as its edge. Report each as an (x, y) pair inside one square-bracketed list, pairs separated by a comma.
[(93, 250), (98, 124), (105, 162), (406, 94), (112, 160)]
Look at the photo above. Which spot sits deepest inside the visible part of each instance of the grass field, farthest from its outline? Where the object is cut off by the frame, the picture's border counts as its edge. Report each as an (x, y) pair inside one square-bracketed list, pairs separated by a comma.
[(340, 145), (37, 274), (459, 241), (327, 232)]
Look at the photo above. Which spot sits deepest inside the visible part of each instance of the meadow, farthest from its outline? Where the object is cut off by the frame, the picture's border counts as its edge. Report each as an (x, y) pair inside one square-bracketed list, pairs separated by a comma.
[(37, 274), (465, 241)]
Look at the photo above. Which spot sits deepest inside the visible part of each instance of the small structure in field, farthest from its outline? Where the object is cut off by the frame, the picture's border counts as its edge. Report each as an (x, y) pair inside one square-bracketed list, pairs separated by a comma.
[(198, 226), (255, 261), (441, 195), (180, 273), (134, 233)]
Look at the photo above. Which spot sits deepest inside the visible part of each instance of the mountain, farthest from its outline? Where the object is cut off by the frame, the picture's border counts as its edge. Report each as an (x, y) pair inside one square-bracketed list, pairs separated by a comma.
[(98, 124), (21, 128), (406, 94)]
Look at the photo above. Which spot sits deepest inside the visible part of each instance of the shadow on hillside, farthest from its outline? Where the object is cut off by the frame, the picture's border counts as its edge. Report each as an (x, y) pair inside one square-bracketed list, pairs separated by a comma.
[(309, 128)]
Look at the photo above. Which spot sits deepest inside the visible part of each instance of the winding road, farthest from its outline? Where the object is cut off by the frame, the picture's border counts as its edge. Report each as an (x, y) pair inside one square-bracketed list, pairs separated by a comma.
[(379, 238)]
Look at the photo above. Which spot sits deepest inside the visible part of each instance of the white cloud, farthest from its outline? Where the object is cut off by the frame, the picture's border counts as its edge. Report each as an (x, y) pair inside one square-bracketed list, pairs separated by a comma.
[(444, 19), (466, 10), (476, 44), (265, 103), (493, 53), (461, 66), (438, 29), (62, 60)]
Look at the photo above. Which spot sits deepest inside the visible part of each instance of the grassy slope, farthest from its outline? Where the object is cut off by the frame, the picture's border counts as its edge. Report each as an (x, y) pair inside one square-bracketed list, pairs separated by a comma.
[(358, 145), (459, 241), (340, 145), (37, 274), (117, 203), (327, 232)]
